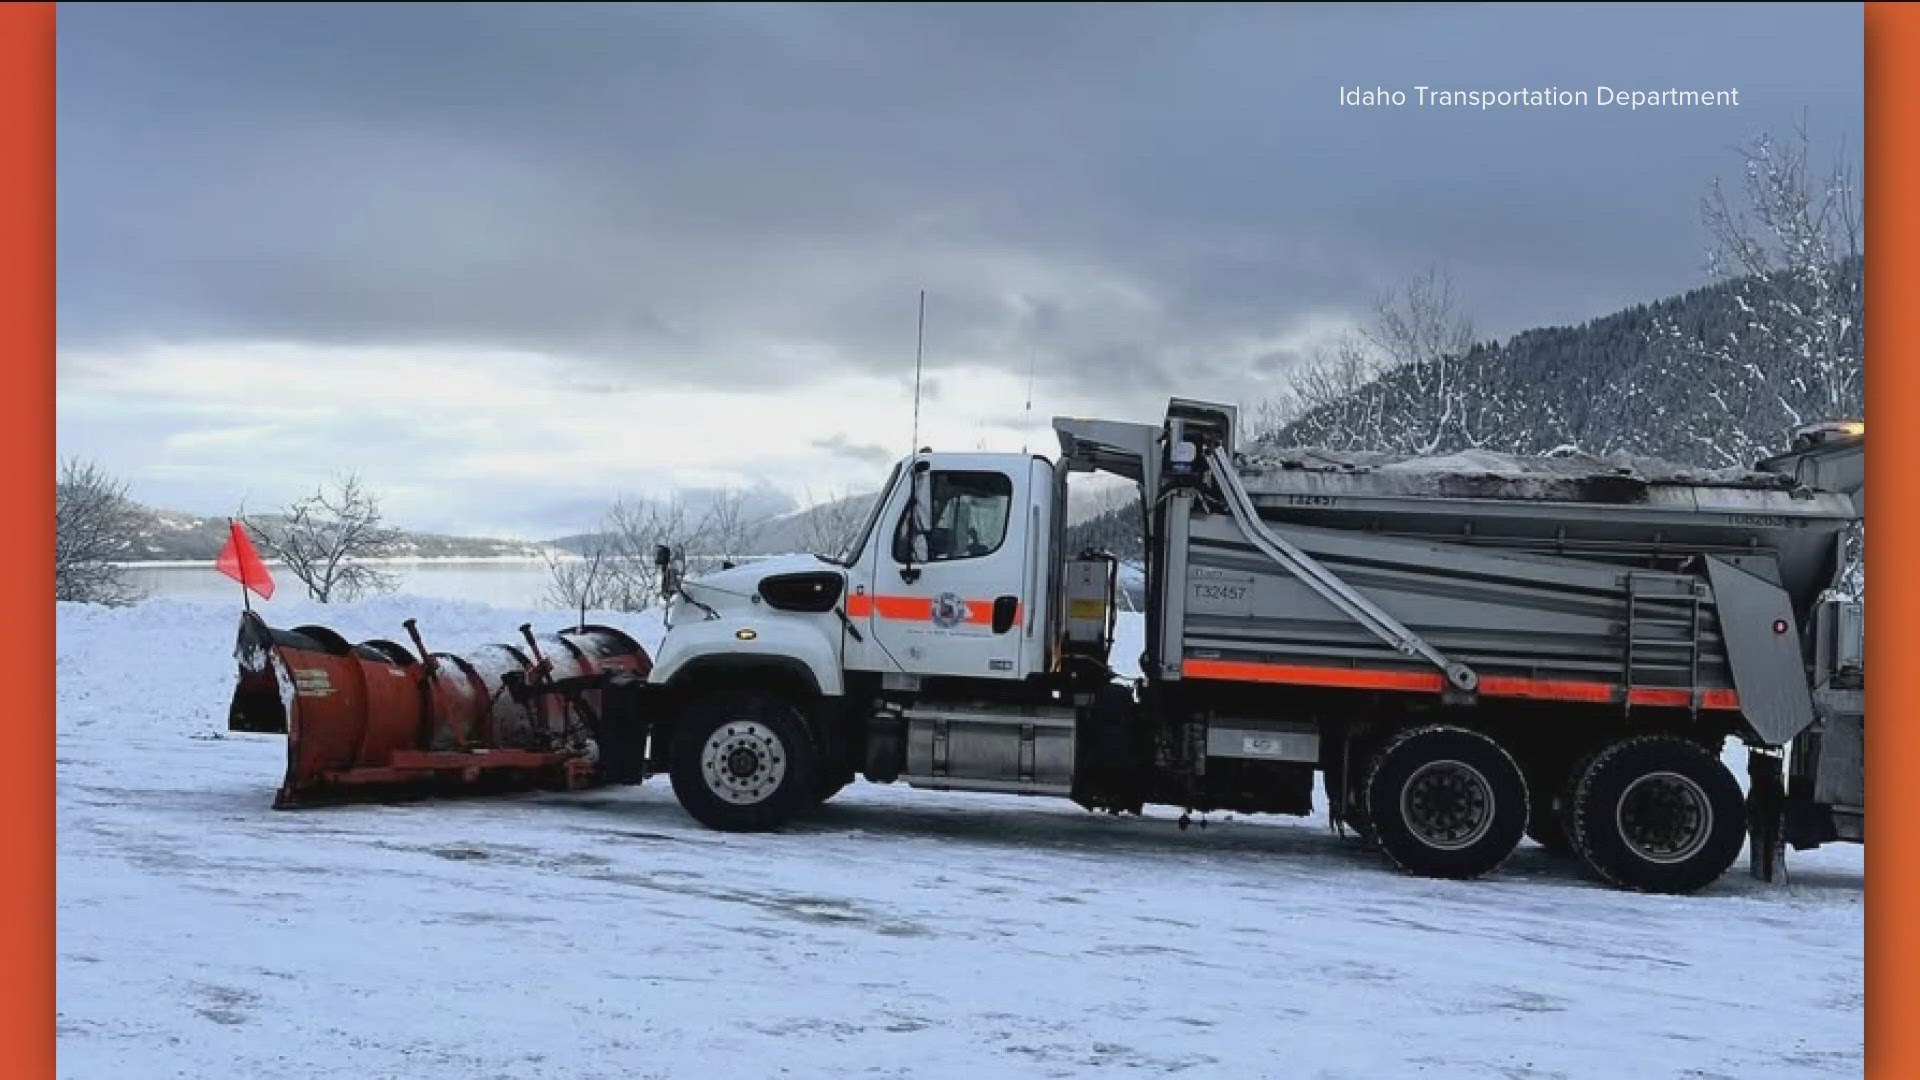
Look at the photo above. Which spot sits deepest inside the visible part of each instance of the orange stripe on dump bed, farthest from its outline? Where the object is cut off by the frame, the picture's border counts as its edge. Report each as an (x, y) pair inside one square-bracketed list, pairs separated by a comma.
[(1310, 675), (1508, 686)]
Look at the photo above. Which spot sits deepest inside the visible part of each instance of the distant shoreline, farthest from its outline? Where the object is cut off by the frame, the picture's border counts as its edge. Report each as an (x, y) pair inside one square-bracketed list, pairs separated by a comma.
[(392, 560)]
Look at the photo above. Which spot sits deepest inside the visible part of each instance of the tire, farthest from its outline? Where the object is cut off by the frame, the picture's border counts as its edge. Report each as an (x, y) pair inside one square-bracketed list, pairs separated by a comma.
[(827, 789), (831, 771), (1658, 813), (1445, 802), (743, 761)]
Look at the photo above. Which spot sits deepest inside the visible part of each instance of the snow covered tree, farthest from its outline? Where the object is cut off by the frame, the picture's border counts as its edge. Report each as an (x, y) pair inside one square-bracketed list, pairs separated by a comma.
[(1411, 381), (1331, 400), (1423, 337), (328, 539), (94, 527), (1788, 241)]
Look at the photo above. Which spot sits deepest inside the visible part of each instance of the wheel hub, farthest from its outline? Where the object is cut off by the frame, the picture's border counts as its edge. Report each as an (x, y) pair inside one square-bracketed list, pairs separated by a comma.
[(743, 762), (1447, 804), (1665, 817)]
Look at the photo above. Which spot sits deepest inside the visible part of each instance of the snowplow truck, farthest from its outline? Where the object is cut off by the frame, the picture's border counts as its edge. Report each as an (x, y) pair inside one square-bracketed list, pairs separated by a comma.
[(1461, 652)]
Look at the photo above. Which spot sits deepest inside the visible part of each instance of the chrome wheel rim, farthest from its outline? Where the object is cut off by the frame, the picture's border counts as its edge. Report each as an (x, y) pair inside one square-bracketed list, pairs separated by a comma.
[(1665, 817), (1447, 805), (743, 762)]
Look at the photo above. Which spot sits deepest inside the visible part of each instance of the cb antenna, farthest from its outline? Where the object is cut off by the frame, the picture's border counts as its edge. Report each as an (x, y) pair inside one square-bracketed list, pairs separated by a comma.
[(1033, 362), (919, 349)]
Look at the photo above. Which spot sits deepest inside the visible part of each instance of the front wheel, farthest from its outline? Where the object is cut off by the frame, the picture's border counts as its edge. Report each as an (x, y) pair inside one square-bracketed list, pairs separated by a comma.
[(1445, 802), (743, 761), (1658, 813)]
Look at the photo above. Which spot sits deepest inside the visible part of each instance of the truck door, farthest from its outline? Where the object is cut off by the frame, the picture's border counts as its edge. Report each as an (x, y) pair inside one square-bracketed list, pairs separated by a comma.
[(956, 607)]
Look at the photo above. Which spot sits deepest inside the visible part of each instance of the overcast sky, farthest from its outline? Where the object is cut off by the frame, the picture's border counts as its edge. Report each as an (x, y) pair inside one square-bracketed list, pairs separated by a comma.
[(507, 262)]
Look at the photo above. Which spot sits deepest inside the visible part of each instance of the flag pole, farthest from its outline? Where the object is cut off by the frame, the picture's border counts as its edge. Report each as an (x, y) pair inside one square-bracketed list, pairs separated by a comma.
[(246, 602)]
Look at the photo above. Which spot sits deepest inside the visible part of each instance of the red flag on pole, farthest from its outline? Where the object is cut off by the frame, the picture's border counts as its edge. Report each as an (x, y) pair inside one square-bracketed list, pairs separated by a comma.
[(240, 562)]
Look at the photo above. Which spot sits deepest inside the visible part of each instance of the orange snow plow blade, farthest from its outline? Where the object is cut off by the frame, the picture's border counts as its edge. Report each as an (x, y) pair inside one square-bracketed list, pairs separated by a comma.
[(560, 711)]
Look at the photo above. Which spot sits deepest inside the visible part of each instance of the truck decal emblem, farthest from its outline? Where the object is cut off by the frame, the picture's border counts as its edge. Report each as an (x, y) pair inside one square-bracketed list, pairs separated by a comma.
[(949, 611)]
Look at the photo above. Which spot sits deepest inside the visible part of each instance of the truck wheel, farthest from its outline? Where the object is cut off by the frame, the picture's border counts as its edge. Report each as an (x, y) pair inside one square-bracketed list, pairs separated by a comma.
[(743, 760), (1445, 802), (831, 772), (1658, 813), (827, 789)]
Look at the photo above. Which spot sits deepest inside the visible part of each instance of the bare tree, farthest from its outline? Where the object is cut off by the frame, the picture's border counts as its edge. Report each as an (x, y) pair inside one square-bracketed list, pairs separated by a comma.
[(1424, 337), (634, 528), (726, 530), (828, 526), (615, 568), (1790, 241), (94, 527), (1330, 400), (327, 541), (583, 581), (1406, 382)]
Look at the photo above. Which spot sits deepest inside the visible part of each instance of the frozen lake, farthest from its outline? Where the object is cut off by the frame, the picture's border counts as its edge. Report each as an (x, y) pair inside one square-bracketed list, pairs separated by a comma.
[(506, 582)]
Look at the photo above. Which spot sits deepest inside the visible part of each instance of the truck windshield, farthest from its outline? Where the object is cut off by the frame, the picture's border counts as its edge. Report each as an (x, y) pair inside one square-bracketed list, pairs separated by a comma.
[(858, 540)]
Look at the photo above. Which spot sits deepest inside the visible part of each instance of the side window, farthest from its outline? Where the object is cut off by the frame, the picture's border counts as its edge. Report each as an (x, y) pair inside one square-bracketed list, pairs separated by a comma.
[(969, 516)]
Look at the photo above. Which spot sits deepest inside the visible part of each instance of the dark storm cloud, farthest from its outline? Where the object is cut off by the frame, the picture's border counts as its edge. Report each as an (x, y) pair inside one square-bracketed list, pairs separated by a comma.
[(697, 195), (840, 446)]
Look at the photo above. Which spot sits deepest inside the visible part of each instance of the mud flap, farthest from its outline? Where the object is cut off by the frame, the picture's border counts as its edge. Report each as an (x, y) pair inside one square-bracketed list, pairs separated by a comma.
[(1766, 808)]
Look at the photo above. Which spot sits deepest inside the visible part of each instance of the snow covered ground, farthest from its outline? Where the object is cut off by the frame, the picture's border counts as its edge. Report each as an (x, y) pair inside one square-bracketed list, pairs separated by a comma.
[(898, 933)]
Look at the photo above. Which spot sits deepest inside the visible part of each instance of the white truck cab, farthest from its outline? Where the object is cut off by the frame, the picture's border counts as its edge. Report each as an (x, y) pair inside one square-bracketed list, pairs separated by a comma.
[(947, 577), (922, 652)]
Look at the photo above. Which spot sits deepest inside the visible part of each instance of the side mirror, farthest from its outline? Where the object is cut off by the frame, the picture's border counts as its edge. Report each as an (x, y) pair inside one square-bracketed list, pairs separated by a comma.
[(919, 518), (672, 567)]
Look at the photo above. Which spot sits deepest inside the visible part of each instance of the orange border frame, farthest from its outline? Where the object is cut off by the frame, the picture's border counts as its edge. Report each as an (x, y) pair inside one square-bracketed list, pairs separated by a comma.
[(1893, 404), (26, 395)]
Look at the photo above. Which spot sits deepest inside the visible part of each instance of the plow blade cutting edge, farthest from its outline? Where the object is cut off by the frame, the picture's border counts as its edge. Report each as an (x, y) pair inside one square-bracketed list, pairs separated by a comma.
[(559, 710)]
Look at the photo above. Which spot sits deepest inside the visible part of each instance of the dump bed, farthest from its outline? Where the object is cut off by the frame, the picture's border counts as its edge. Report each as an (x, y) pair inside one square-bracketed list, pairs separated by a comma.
[(1627, 510), (1613, 582)]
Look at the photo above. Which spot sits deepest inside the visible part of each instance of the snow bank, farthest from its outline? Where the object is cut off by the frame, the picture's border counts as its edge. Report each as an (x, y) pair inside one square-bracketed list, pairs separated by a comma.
[(896, 933)]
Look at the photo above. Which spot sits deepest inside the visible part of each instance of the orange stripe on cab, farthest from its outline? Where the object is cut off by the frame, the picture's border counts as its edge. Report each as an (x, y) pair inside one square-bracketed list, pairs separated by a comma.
[(920, 609)]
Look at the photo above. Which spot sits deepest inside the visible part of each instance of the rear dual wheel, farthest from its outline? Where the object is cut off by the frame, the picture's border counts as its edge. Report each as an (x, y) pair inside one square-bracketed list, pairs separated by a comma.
[(1444, 801), (1658, 813)]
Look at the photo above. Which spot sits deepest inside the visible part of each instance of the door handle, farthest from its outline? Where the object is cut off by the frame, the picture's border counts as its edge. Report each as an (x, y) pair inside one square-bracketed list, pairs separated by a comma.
[(1004, 609)]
